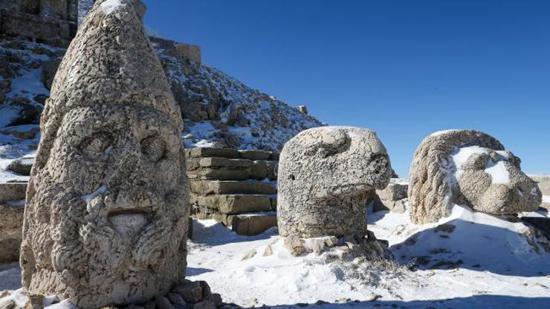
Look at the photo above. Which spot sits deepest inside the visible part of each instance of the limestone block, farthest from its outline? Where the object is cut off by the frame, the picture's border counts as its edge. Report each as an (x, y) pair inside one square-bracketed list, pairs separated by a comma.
[(206, 187)]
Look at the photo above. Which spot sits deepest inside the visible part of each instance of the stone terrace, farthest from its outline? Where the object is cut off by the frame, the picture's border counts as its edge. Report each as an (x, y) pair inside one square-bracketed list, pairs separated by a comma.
[(236, 188)]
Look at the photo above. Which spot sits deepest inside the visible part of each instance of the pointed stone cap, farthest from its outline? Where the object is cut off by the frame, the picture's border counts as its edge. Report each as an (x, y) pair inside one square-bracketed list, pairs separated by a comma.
[(111, 61)]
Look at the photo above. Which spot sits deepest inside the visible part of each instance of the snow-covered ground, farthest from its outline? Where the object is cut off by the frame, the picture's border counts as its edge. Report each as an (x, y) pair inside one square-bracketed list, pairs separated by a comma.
[(468, 260)]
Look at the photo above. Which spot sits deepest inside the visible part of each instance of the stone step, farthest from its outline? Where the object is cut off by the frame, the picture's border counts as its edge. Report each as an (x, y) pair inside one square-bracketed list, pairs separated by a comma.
[(251, 225), (260, 170), (10, 231), (196, 163), (234, 203), (248, 224), (231, 153), (206, 187), (212, 152), (13, 191)]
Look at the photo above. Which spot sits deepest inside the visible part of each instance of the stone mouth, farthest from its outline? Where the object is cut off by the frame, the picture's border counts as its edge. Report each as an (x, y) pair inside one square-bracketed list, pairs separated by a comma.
[(129, 222)]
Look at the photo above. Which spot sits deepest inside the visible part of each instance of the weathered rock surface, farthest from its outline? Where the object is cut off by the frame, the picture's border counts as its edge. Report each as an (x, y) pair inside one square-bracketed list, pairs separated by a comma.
[(107, 211), (325, 175), (470, 168)]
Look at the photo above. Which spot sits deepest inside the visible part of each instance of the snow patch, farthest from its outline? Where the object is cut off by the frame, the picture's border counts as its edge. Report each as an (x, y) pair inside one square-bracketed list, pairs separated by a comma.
[(110, 6), (89, 197), (496, 169)]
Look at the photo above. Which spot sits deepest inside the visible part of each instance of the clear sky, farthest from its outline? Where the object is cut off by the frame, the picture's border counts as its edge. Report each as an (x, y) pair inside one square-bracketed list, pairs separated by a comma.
[(403, 68)]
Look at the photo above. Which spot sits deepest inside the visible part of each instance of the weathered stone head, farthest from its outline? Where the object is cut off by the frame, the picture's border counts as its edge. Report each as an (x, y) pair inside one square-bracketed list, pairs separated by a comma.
[(106, 215), (325, 175), (470, 168)]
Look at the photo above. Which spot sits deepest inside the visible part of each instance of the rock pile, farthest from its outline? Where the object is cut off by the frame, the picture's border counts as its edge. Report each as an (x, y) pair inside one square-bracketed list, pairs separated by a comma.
[(471, 168), (325, 177), (234, 187)]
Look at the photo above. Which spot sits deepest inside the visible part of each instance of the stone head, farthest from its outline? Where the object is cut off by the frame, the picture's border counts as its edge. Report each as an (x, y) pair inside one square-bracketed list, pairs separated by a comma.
[(107, 209), (469, 168), (324, 176)]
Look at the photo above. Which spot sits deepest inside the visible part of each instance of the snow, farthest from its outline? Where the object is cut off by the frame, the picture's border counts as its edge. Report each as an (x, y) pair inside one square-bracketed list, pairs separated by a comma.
[(497, 170), (546, 198), (467, 260), (438, 133), (482, 257), (109, 6)]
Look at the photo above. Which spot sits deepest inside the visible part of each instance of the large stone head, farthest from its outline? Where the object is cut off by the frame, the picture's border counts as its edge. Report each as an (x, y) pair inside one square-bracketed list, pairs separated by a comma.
[(106, 215), (470, 168), (324, 176)]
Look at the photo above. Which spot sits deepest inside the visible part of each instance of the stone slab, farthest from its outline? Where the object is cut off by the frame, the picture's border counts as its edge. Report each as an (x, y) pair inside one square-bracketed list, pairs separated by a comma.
[(13, 191), (213, 152), (215, 162), (206, 187), (252, 225), (234, 203), (11, 225), (256, 154)]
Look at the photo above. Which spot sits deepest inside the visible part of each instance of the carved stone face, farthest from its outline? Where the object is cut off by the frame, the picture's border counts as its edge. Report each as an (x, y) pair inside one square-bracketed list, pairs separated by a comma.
[(492, 181), (324, 178), (111, 206)]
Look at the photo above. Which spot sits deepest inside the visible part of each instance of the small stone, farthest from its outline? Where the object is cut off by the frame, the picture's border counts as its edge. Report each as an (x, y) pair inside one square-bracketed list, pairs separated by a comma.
[(35, 302), (21, 166), (268, 251), (149, 305), (190, 291), (249, 255), (163, 303), (207, 304), (176, 299)]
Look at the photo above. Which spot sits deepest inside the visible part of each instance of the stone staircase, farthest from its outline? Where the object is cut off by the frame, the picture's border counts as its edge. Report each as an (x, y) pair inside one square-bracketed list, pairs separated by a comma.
[(236, 188)]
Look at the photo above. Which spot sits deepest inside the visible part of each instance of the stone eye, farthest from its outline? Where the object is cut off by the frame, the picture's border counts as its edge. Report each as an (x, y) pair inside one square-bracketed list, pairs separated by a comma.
[(154, 148), (97, 144)]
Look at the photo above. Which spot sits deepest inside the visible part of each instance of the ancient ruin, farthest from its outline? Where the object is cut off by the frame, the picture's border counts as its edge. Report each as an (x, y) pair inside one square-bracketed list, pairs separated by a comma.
[(471, 168), (107, 213), (325, 176), (236, 188)]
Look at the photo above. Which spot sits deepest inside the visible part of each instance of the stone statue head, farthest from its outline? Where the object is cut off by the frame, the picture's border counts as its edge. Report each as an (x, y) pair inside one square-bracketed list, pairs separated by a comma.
[(470, 168), (107, 209), (325, 175)]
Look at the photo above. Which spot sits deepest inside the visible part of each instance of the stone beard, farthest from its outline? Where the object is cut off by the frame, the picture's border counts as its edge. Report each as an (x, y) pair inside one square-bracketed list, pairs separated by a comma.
[(107, 207)]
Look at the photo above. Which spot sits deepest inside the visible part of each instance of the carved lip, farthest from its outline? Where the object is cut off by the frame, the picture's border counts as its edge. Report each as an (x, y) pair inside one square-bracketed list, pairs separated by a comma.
[(129, 222)]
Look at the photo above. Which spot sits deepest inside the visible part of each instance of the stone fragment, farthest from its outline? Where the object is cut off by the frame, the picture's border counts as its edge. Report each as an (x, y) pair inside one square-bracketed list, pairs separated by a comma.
[(190, 291), (21, 166), (467, 167), (325, 175), (7, 303), (176, 299), (107, 199), (162, 302)]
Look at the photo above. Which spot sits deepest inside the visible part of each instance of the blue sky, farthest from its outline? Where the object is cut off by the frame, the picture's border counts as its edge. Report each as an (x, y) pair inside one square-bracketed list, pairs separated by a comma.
[(403, 68)]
